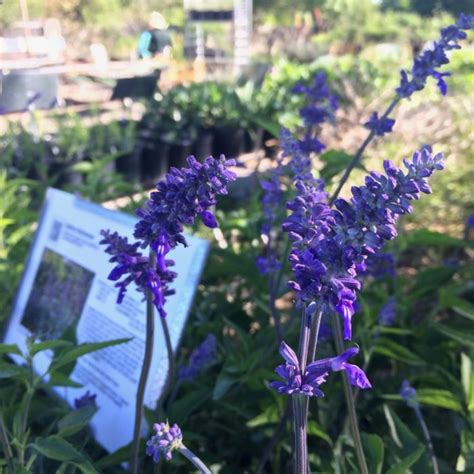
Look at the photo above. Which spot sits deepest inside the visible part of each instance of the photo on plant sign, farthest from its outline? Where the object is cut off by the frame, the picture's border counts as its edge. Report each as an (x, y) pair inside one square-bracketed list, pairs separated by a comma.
[(59, 292)]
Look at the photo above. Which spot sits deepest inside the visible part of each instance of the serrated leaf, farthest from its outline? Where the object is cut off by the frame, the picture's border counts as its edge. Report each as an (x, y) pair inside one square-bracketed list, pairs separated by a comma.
[(393, 350), (76, 420), (374, 452), (403, 466)]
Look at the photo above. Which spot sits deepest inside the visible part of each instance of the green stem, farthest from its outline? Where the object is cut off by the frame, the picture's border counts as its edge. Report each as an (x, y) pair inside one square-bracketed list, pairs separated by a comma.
[(356, 158), (6, 445), (149, 340), (188, 454), (429, 443), (301, 447), (171, 364), (350, 401)]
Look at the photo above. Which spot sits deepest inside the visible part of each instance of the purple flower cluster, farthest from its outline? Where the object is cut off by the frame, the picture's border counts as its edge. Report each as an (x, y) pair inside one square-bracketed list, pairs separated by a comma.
[(184, 195), (321, 104), (164, 442), (408, 393), (381, 264), (85, 400), (307, 383), (201, 357), (388, 312), (330, 247), (427, 63), (380, 126), (134, 267)]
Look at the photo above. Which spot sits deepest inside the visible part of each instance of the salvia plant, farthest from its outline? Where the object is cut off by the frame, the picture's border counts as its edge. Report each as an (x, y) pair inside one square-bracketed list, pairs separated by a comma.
[(333, 244)]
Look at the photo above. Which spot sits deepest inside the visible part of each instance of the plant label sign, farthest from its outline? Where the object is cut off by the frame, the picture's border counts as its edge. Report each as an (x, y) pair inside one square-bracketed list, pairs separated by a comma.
[(65, 293)]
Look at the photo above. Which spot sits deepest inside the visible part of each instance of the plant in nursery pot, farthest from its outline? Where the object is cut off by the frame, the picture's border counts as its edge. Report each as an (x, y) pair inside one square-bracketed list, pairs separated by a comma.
[(129, 159)]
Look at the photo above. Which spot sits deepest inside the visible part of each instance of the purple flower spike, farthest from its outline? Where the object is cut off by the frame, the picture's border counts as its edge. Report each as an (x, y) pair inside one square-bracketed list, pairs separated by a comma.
[(380, 126), (199, 359), (316, 373), (388, 312), (427, 63), (331, 246), (183, 196), (164, 442)]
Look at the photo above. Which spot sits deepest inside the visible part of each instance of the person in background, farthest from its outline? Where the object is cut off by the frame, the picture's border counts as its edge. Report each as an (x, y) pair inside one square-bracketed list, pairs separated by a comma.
[(155, 40)]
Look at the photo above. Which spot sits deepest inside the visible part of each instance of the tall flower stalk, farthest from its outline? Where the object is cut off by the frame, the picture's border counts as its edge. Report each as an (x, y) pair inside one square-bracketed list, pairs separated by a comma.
[(330, 246), (178, 200)]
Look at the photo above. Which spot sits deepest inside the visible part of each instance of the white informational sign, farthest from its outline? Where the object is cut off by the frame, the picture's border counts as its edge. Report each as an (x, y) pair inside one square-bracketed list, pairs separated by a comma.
[(65, 287)]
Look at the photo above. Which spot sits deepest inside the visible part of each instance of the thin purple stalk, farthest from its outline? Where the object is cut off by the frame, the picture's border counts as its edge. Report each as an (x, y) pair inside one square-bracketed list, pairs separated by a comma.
[(358, 154), (149, 339)]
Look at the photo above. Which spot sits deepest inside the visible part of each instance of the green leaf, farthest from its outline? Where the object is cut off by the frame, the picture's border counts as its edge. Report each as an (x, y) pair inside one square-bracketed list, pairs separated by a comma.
[(188, 404), (10, 371), (57, 448), (223, 384), (403, 466), (399, 431), (464, 337), (10, 349), (315, 430), (271, 415), (57, 379), (426, 238), (76, 420), (440, 398), (374, 451), (68, 356), (467, 379), (335, 161), (396, 351), (119, 456), (46, 345)]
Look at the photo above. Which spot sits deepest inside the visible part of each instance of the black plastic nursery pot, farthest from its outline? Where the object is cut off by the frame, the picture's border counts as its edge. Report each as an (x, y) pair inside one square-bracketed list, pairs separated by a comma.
[(253, 140), (179, 152), (154, 161), (229, 140), (128, 165), (63, 175), (203, 146)]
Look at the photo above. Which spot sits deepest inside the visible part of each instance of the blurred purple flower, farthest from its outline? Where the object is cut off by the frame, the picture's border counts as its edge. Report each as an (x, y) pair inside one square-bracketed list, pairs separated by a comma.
[(388, 312), (430, 59), (380, 126), (201, 357), (85, 400)]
